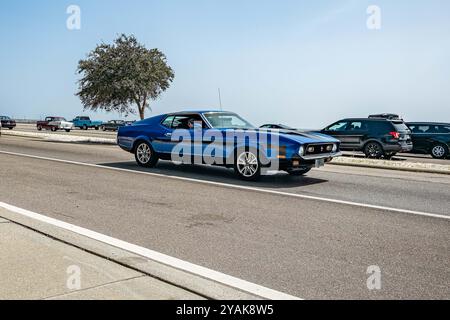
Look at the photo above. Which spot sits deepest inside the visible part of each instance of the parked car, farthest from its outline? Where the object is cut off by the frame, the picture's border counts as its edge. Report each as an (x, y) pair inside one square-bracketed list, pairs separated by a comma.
[(112, 125), (296, 153), (7, 122), (276, 126), (85, 123), (376, 137), (431, 138), (54, 124)]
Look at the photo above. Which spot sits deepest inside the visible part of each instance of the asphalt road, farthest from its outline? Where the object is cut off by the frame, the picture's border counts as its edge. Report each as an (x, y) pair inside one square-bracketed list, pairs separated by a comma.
[(311, 248)]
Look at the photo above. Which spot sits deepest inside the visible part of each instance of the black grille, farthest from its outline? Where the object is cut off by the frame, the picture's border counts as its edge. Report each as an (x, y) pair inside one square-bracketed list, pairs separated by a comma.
[(319, 148)]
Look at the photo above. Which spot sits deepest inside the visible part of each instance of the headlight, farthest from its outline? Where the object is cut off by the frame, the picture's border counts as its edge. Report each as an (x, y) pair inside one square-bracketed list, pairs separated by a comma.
[(335, 147), (330, 147), (301, 151), (311, 149)]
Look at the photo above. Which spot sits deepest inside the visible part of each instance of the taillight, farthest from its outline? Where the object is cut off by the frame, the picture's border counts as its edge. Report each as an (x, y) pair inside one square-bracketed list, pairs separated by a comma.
[(395, 134)]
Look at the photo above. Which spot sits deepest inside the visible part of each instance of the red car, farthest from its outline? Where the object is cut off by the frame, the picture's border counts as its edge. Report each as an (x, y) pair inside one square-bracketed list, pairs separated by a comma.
[(54, 124)]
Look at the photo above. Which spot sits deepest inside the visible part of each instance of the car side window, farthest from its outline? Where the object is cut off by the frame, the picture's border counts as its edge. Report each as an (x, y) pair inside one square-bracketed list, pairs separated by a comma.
[(444, 129), (168, 122), (339, 126), (354, 126), (182, 122)]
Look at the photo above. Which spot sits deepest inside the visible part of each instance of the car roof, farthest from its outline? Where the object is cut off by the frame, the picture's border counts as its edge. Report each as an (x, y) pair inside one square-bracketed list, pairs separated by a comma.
[(198, 112), (368, 119), (429, 123)]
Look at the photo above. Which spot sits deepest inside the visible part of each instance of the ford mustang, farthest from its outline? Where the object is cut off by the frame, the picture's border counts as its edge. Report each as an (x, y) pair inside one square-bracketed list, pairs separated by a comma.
[(226, 139)]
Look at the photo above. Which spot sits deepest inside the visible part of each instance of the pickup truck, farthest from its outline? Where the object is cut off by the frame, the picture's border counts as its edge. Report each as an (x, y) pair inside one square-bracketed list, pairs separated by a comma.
[(86, 123), (54, 124)]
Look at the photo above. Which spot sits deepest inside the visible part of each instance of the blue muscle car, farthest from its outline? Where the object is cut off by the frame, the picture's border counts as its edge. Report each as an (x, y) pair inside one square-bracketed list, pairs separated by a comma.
[(224, 138)]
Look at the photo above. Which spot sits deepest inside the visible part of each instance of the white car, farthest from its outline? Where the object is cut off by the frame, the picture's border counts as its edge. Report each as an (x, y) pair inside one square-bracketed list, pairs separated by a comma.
[(54, 124)]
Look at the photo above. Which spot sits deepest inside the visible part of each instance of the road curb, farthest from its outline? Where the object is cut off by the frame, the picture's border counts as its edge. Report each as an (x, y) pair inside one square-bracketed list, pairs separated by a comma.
[(196, 284), (389, 165), (61, 138)]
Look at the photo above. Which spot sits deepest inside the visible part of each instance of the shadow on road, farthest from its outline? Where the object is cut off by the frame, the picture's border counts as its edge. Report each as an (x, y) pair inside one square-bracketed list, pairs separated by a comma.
[(219, 174)]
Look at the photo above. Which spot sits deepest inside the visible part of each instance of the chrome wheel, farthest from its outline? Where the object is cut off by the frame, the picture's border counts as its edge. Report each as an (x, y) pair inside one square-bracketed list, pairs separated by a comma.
[(143, 153), (247, 164), (438, 151)]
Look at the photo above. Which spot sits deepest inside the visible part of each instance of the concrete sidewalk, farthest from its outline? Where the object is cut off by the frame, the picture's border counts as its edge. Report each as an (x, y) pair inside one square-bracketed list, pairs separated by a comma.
[(35, 266)]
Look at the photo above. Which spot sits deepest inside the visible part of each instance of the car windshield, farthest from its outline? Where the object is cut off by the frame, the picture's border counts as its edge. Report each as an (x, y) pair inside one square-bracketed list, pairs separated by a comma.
[(219, 120), (4, 118)]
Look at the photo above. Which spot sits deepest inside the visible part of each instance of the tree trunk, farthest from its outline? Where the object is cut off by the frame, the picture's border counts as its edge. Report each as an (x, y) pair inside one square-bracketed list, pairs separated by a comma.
[(142, 112)]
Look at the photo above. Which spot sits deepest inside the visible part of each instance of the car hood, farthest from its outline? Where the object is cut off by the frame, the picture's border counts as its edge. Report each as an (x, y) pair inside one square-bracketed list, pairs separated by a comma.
[(300, 136)]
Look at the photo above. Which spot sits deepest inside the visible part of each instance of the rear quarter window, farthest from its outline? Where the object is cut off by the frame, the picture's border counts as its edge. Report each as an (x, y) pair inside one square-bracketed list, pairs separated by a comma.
[(380, 126), (400, 126)]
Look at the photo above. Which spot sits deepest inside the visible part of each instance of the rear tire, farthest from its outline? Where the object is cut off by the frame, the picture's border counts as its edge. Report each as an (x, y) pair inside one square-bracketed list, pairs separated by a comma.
[(247, 165), (39, 128), (373, 150), (53, 129), (439, 151), (85, 127), (145, 155), (10, 128), (103, 128), (67, 130)]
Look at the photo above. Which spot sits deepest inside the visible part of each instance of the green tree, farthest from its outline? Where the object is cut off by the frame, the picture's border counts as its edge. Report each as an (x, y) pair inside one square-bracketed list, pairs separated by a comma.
[(122, 76)]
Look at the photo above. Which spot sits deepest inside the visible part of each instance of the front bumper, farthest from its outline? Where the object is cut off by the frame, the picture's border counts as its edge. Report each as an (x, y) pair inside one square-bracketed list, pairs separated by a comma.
[(66, 126), (307, 161)]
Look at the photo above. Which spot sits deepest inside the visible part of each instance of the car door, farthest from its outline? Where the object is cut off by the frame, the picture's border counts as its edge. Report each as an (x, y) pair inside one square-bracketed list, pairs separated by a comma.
[(354, 134), (162, 141), (421, 137), (49, 122), (337, 130)]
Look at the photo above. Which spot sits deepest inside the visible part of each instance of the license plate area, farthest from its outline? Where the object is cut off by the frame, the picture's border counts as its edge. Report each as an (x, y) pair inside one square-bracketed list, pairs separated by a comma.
[(320, 163), (296, 163)]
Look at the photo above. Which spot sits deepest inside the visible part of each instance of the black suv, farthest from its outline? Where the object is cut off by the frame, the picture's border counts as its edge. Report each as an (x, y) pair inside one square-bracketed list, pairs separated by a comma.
[(431, 138), (375, 136)]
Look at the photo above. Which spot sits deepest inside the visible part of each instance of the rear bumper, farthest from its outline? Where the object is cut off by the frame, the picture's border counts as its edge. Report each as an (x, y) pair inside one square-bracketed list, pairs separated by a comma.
[(398, 147)]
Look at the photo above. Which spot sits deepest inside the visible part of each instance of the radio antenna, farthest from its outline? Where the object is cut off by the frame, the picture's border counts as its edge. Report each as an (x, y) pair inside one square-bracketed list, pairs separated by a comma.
[(220, 99)]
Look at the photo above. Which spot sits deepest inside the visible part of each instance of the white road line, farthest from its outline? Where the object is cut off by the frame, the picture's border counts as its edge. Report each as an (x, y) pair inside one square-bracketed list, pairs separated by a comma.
[(179, 264), (233, 186)]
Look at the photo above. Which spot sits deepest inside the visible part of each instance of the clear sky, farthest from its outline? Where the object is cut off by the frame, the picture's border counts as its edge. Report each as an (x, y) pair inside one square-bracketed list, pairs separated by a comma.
[(301, 63)]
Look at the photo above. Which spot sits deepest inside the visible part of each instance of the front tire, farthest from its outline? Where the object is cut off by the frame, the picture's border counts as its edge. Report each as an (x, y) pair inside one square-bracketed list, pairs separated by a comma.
[(85, 127), (53, 129), (145, 155), (439, 151), (39, 128), (67, 130), (373, 150), (247, 165)]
